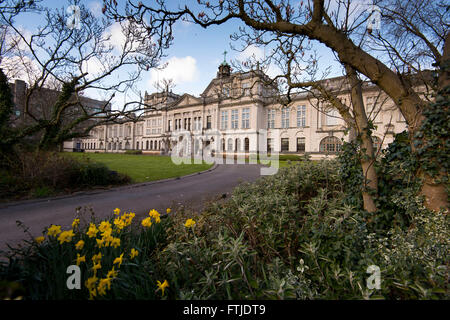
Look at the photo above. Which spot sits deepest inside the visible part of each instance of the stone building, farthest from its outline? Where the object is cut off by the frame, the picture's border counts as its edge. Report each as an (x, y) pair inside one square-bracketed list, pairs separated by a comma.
[(40, 104), (239, 113)]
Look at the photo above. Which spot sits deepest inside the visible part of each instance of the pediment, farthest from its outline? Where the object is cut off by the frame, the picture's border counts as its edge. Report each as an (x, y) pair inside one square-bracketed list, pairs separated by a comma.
[(187, 100)]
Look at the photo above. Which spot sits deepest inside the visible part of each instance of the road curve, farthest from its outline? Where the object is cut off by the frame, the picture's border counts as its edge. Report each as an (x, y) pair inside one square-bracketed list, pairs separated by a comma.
[(192, 191)]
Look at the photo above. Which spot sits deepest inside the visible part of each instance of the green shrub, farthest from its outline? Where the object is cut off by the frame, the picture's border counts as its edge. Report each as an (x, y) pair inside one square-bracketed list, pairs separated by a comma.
[(293, 235)]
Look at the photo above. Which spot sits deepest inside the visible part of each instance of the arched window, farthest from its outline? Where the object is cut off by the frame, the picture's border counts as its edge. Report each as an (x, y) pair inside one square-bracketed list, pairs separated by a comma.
[(330, 145), (230, 144), (247, 144), (146, 145), (137, 145), (237, 145), (151, 145)]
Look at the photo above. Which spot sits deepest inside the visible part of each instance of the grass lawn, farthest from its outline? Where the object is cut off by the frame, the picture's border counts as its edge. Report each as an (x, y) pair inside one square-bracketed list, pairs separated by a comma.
[(143, 168)]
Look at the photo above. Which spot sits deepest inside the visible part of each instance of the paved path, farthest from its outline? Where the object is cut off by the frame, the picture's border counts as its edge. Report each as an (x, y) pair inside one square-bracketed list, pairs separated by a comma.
[(189, 191)]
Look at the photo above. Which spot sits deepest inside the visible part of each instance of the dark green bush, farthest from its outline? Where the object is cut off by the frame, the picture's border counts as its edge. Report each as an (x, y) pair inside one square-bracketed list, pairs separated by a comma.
[(133, 151), (38, 174)]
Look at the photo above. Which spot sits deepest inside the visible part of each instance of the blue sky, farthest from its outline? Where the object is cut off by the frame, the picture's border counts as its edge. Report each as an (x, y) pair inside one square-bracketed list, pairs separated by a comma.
[(194, 57)]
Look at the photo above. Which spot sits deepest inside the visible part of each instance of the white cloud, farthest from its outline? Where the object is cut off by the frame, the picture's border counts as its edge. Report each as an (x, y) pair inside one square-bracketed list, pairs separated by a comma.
[(96, 8), (180, 70), (251, 52)]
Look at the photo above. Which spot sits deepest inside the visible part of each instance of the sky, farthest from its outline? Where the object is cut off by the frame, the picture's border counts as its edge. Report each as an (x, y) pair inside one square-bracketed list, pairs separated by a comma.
[(194, 57)]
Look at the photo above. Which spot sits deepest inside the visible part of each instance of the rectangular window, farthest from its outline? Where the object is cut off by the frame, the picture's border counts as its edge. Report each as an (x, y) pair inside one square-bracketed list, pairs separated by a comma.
[(208, 122), (234, 119), (246, 88), (271, 118), (223, 120), (332, 117), (285, 117), (269, 145), (301, 116), (284, 144), (300, 144), (169, 125), (121, 131), (245, 118)]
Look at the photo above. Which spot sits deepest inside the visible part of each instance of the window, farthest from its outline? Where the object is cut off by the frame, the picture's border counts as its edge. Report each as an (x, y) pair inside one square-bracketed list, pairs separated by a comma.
[(223, 120), (246, 88), (269, 145), (301, 116), (332, 117), (245, 118), (300, 144), (237, 145), (271, 118), (208, 122), (247, 144), (330, 145), (376, 144), (120, 131), (226, 92), (230, 144), (284, 144), (169, 125), (234, 119), (370, 103), (285, 117)]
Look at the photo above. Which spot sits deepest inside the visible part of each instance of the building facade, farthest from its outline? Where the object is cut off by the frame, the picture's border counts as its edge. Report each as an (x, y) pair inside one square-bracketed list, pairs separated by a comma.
[(240, 113)]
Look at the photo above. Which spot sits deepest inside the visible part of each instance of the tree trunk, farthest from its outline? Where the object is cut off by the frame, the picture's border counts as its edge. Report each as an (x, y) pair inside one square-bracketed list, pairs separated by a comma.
[(367, 158), (436, 196)]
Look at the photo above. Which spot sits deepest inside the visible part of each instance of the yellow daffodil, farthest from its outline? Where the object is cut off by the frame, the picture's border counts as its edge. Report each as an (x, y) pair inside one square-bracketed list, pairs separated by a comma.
[(97, 257), (119, 223), (189, 223), (54, 230), (147, 222), (75, 223), (115, 242), (116, 211), (162, 286), (90, 282), (66, 236), (100, 242), (102, 285), (168, 210), (112, 273), (96, 266), (39, 240), (155, 215), (79, 245), (80, 259), (133, 253), (104, 226), (92, 231), (118, 260)]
